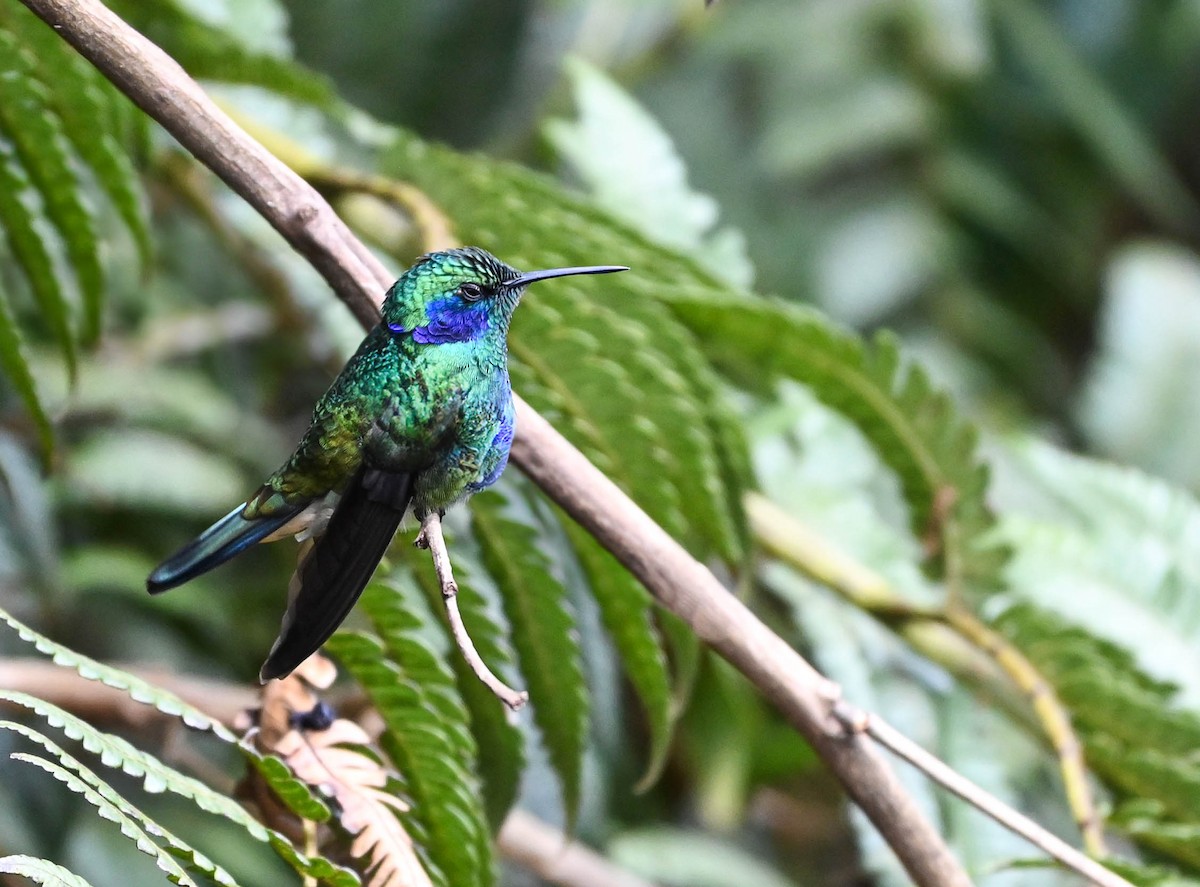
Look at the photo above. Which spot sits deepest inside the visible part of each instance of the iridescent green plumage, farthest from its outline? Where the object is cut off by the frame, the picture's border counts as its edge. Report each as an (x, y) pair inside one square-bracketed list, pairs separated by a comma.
[(421, 415)]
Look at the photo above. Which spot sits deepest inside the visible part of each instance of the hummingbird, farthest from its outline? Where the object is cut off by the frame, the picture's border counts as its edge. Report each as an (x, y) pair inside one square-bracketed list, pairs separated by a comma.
[(420, 417)]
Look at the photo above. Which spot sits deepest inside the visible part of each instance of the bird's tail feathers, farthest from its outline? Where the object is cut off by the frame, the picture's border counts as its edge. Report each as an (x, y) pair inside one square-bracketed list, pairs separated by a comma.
[(335, 570), (229, 536)]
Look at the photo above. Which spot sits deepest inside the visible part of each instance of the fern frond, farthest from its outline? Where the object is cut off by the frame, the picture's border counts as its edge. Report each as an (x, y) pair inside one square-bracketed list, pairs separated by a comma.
[(37, 133), (209, 52), (138, 689), (40, 871), (113, 812), (446, 805), (403, 628), (14, 361), (628, 615), (545, 637), (194, 860), (500, 743), (1134, 736), (294, 793), (913, 428), (157, 777), (336, 760)]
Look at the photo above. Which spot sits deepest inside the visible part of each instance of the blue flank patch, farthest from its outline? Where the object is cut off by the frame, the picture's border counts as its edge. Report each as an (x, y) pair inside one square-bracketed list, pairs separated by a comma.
[(501, 443), (452, 320)]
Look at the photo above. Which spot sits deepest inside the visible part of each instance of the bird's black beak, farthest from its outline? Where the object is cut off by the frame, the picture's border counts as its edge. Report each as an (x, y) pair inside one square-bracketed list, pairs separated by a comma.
[(534, 276)]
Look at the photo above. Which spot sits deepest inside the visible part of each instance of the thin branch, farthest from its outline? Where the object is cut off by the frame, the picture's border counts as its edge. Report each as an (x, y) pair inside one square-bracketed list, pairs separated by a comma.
[(903, 747), (793, 543), (553, 857), (160, 87), (431, 538)]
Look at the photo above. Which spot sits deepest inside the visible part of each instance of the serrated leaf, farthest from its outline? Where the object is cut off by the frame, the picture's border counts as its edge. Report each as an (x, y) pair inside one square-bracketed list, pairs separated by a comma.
[(25, 228), (41, 871), (37, 134), (913, 428), (294, 794), (544, 635), (93, 114), (1134, 737), (208, 51), (446, 806), (291, 791), (1109, 550), (15, 363), (400, 627), (192, 858), (156, 777), (627, 610), (338, 759), (113, 813), (138, 689), (501, 746)]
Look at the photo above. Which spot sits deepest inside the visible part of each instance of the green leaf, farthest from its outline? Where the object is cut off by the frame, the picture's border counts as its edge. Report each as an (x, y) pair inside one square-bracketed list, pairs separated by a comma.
[(627, 610), (401, 627), (138, 689), (113, 812), (157, 777), (93, 115), (446, 805), (291, 791), (1109, 550), (500, 744), (15, 364), (914, 429), (38, 136), (544, 634), (194, 860), (25, 228), (41, 871), (208, 51)]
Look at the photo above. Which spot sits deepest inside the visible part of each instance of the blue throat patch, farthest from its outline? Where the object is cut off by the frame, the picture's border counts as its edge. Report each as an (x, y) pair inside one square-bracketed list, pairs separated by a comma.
[(449, 320)]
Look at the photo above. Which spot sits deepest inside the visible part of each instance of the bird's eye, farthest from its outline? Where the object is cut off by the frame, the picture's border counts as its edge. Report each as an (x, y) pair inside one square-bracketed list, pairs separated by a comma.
[(472, 292)]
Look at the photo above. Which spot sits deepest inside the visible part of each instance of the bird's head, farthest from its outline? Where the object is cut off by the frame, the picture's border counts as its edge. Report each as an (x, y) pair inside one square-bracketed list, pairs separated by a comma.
[(462, 294)]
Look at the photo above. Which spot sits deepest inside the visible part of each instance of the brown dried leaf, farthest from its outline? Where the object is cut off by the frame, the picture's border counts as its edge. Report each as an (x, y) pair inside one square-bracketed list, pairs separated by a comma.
[(356, 782)]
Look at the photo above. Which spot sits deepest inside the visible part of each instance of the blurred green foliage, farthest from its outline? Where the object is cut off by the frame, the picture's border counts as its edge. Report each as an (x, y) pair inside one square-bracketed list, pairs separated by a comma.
[(1008, 186)]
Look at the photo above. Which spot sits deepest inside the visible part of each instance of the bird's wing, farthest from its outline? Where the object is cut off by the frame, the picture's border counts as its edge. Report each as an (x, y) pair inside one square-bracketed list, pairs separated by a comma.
[(229, 536), (337, 567)]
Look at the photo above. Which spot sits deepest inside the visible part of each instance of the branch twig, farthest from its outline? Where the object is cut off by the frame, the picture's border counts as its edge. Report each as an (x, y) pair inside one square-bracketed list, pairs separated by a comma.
[(431, 538), (949, 779), (793, 543)]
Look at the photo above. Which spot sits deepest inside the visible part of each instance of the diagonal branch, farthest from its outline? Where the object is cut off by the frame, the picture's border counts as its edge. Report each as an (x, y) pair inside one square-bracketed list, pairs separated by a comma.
[(161, 88)]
